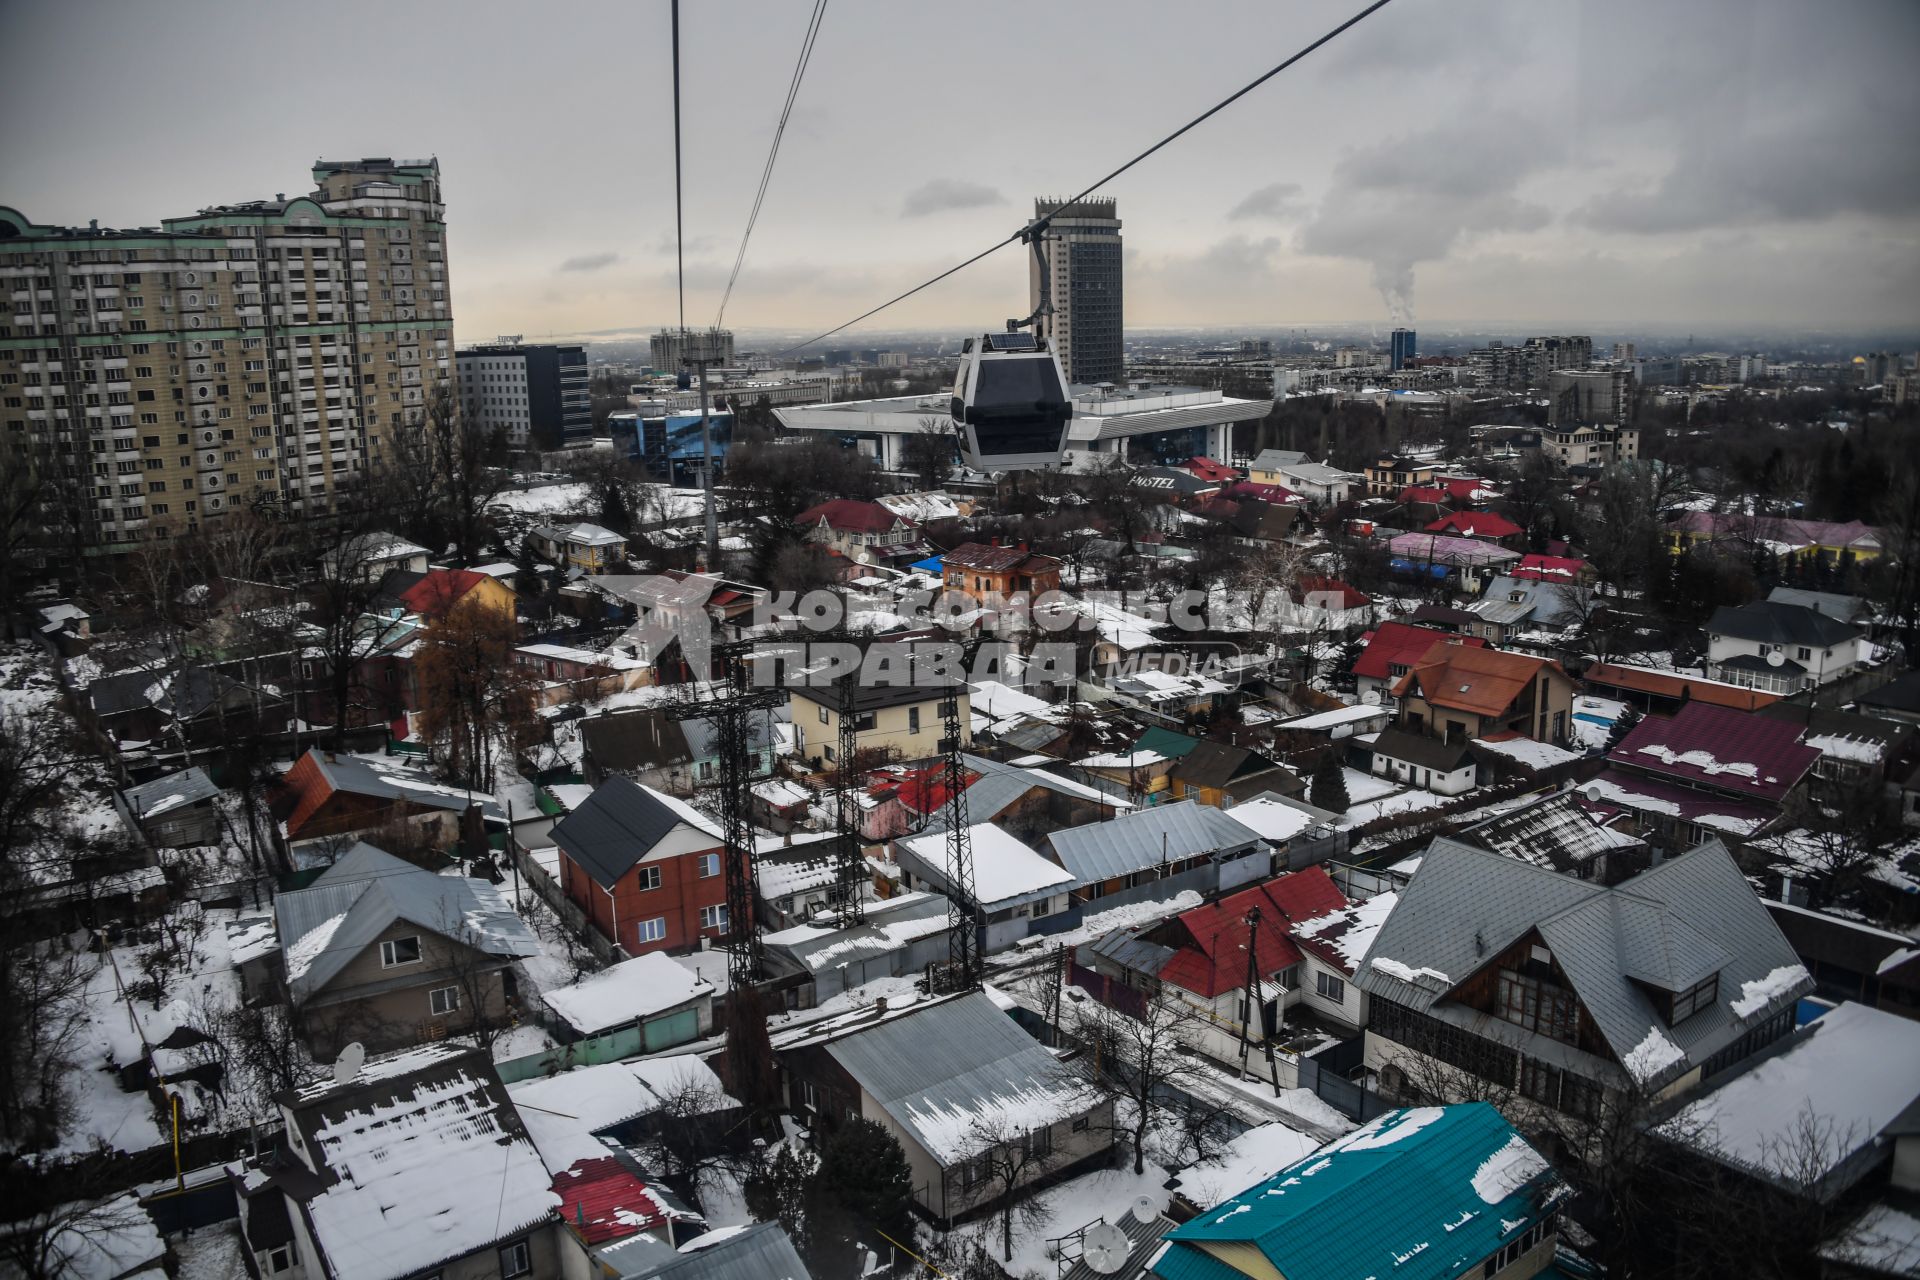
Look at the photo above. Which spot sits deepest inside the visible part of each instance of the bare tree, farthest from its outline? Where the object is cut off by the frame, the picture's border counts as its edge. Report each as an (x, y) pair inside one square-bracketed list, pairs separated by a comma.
[(1007, 1160), (82, 1237), (929, 452), (472, 692), (1143, 1060)]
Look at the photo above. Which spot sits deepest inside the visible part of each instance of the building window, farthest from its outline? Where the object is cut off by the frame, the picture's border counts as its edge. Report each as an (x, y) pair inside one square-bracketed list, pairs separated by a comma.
[(823, 714), (278, 1259), (714, 917), (1331, 988), (709, 865), (647, 877), (516, 1259), (399, 951), (913, 719), (1536, 1005), (652, 930), (1539, 1082), (1038, 1143), (443, 1000), (1701, 995)]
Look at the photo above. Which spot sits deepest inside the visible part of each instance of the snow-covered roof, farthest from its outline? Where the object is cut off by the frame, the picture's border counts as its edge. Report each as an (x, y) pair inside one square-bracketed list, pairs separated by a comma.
[(174, 791), (1323, 720), (1270, 819), (1006, 870), (324, 926), (890, 925), (564, 1111), (1252, 1157), (958, 1075), (1851, 1069), (627, 993), (421, 1168)]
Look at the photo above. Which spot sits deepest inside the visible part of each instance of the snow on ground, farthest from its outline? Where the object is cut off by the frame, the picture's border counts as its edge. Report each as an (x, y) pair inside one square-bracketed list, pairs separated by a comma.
[(1362, 787), (1073, 1204), (212, 1253), (522, 1041), (1395, 802), (547, 500)]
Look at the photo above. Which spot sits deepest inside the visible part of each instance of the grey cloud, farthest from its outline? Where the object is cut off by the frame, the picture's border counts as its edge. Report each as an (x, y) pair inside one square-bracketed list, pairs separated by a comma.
[(1279, 201), (1781, 118), (1413, 199), (943, 194), (590, 262)]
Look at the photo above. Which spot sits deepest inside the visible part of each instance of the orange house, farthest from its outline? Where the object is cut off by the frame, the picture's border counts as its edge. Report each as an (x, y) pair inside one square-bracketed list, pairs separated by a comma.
[(433, 593), (985, 572)]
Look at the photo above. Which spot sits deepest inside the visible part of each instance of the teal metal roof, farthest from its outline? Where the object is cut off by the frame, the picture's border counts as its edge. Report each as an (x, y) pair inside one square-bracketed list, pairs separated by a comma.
[(1437, 1189)]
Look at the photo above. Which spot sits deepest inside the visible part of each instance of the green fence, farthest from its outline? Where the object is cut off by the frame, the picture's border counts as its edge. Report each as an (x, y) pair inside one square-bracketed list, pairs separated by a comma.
[(628, 1042)]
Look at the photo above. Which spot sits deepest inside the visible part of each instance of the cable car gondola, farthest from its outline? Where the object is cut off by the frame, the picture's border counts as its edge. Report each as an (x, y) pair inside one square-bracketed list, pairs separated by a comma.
[(1010, 404)]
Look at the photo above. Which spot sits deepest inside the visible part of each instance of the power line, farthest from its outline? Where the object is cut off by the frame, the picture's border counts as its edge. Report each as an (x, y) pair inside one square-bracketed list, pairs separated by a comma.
[(766, 174), (679, 227), (1202, 118)]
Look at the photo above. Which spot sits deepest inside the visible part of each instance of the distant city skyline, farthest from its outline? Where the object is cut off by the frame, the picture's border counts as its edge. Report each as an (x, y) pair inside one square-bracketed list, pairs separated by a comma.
[(1729, 163)]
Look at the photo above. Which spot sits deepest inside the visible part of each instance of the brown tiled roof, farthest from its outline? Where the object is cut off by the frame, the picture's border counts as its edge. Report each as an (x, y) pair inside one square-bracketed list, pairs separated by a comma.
[(983, 557), (1483, 681)]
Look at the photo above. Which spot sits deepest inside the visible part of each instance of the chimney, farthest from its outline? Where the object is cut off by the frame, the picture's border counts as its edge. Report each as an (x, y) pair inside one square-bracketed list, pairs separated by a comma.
[(879, 1006)]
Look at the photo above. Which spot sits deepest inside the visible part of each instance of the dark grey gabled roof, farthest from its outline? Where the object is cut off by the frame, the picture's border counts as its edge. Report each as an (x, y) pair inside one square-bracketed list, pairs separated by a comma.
[(173, 791), (1671, 926), (1146, 837), (620, 824), (761, 1251), (1418, 749), (1773, 622)]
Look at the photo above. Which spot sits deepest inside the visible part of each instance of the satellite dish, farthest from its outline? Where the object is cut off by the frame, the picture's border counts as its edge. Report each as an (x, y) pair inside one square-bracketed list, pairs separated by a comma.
[(348, 1064), (1592, 794), (1371, 697), (1105, 1248), (1776, 658), (1147, 1206)]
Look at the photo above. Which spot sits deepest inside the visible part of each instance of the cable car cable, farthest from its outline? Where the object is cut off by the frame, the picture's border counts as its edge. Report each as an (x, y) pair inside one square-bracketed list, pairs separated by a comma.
[(679, 226), (1204, 116), (779, 131)]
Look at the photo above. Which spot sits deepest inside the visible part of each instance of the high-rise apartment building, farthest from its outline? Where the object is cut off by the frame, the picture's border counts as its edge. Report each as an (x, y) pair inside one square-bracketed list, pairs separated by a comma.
[(1601, 396), (538, 395), (252, 355), (1404, 348), (1083, 320)]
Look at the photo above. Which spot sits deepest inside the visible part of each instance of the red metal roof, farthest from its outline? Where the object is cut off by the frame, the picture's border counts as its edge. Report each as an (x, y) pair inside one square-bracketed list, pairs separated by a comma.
[(1275, 493), (1733, 752), (604, 1201), (1426, 493), (1318, 588), (1215, 958), (1467, 489), (852, 515), (439, 591), (1549, 568), (1401, 644), (1475, 524), (1208, 469)]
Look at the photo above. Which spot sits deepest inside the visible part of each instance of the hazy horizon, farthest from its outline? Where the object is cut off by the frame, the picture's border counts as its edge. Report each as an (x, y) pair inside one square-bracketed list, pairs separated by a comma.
[(1728, 164)]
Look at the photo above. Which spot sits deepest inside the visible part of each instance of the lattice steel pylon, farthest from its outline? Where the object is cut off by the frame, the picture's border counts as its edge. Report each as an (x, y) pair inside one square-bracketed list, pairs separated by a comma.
[(730, 709), (964, 925), (850, 865)]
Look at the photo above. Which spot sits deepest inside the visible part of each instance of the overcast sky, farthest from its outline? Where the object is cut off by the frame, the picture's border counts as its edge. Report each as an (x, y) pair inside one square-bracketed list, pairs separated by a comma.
[(1530, 162)]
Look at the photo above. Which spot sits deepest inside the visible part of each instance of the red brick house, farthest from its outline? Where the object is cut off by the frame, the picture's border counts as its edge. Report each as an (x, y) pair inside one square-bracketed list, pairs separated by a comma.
[(984, 572), (648, 870)]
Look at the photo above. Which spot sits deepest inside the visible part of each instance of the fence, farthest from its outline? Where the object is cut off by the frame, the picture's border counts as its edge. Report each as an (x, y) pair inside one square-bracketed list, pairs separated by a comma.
[(1322, 1075)]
